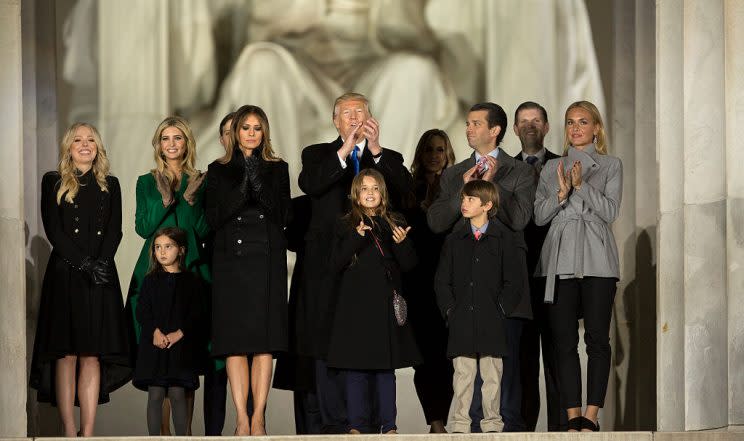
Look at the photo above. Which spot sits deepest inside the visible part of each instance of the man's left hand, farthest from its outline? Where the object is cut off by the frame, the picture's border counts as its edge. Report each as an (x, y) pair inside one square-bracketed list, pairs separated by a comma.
[(372, 133), (493, 165)]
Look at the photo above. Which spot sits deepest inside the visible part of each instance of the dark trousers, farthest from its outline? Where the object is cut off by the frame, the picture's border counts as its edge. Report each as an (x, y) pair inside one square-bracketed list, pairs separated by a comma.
[(360, 405), (307, 413), (215, 394), (433, 382), (330, 387), (590, 298), (511, 385), (537, 338)]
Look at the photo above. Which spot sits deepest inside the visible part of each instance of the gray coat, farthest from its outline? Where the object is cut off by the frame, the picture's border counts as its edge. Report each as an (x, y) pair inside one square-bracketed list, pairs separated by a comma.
[(580, 241), (516, 184)]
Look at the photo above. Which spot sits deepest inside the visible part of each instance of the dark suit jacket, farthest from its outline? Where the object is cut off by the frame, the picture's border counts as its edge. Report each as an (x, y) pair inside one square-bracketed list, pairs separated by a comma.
[(328, 185)]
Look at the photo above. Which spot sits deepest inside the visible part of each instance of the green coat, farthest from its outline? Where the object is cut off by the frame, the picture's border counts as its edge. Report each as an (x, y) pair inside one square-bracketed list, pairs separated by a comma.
[(150, 216)]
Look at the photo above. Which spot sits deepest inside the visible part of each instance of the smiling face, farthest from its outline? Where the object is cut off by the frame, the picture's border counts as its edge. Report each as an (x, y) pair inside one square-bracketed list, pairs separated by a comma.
[(167, 253), (83, 149), (580, 127), (434, 158), (369, 197), (172, 144), (250, 133), (348, 115), (531, 128)]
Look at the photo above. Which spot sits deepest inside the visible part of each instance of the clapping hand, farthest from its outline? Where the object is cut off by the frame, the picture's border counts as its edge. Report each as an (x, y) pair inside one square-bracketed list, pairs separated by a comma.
[(348, 145), (576, 175), (564, 182), (399, 233), (190, 193), (372, 132), (164, 188), (492, 165)]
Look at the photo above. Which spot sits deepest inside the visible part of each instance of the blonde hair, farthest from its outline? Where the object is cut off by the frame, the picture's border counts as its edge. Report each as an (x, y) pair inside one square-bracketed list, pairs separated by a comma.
[(189, 158), (69, 183), (601, 142), (267, 151), (350, 96)]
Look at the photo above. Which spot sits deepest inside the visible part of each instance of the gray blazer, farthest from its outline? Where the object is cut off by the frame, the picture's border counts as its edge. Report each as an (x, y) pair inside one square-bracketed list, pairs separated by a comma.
[(580, 241), (514, 179)]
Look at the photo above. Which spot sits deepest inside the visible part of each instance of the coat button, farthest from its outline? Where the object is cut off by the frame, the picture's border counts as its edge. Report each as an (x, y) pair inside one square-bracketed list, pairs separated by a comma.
[(240, 218), (75, 205), (471, 283), (260, 216), (98, 233), (76, 230), (477, 260), (240, 241), (77, 218), (471, 308)]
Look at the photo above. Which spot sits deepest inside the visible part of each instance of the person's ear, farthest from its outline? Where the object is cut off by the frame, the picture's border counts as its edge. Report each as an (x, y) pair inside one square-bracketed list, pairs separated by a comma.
[(488, 205)]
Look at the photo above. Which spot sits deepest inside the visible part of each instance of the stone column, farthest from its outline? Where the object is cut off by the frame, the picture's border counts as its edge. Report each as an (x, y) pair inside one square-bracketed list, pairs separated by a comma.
[(699, 95), (13, 310)]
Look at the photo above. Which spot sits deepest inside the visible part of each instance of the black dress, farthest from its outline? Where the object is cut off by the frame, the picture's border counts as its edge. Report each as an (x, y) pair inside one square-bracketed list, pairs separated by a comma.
[(249, 272), (169, 302), (365, 334), (76, 316)]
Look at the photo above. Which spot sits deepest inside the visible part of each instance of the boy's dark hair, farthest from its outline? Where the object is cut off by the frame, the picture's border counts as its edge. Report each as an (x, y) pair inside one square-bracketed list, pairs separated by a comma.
[(495, 117), (485, 191), (225, 119), (178, 236)]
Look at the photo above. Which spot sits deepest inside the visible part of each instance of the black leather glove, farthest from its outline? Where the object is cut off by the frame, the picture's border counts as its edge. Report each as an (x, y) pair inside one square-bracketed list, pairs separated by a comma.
[(86, 266), (102, 272), (253, 175)]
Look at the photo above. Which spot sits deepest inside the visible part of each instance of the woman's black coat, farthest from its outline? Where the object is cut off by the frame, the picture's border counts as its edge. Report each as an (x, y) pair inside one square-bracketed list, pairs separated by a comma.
[(478, 284), (365, 334), (249, 275)]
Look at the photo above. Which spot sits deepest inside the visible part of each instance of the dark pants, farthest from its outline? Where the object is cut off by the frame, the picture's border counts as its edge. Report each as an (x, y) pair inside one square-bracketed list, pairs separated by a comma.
[(360, 405), (433, 381), (511, 385), (592, 298), (307, 413), (537, 337), (331, 394), (215, 394)]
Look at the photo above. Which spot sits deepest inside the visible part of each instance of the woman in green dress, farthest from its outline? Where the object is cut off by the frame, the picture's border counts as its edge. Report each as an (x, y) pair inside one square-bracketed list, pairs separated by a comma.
[(170, 195)]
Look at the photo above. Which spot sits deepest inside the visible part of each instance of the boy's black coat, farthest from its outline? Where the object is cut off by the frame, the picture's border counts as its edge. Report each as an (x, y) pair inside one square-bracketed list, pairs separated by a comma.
[(478, 284)]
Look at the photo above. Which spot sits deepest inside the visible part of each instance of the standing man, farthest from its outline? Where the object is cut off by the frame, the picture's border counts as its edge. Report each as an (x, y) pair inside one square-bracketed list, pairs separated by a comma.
[(327, 172), (531, 126), (485, 129)]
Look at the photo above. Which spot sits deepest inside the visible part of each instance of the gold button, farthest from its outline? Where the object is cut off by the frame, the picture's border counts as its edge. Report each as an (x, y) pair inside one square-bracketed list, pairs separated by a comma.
[(240, 241), (98, 233), (76, 230)]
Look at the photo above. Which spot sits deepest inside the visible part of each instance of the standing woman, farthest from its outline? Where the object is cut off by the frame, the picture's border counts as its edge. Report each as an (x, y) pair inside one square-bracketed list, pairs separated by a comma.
[(170, 195), (247, 204), (579, 195), (432, 378), (81, 351)]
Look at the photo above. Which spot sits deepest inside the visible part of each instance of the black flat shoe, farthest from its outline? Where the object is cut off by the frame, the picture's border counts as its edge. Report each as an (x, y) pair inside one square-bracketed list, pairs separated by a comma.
[(575, 424), (586, 423)]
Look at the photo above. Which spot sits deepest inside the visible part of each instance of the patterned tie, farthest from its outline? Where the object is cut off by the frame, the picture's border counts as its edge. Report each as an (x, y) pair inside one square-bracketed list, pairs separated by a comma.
[(355, 159), (477, 235), (531, 160), (482, 165)]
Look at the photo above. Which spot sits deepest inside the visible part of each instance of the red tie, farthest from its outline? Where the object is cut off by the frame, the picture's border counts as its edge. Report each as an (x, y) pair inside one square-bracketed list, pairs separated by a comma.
[(477, 234)]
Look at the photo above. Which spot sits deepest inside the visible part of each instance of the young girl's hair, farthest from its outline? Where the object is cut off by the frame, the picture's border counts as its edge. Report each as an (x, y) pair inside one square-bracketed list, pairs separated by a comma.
[(357, 211), (178, 236)]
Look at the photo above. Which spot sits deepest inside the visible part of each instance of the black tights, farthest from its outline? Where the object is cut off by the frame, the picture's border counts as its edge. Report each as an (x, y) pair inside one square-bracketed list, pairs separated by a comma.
[(155, 397)]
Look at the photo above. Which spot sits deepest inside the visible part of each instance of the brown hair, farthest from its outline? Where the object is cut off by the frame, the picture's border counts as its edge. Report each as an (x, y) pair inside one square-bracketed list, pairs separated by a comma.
[(485, 191), (357, 211), (178, 236), (601, 143), (418, 157), (267, 151)]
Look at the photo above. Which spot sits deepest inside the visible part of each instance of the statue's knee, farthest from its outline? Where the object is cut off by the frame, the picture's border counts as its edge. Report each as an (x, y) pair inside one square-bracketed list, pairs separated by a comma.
[(411, 66)]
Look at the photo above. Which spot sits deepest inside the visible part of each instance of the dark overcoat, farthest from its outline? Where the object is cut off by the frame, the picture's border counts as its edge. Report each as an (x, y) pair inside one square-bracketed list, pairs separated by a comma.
[(365, 333), (75, 315), (249, 272), (169, 302), (479, 284), (328, 185)]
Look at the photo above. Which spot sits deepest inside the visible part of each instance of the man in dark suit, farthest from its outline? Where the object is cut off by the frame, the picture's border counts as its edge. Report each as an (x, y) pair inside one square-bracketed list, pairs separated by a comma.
[(531, 126), (327, 172), (485, 129)]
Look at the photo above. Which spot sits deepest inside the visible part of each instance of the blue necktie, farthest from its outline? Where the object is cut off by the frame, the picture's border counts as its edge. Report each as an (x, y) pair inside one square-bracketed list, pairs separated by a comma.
[(531, 160), (355, 159)]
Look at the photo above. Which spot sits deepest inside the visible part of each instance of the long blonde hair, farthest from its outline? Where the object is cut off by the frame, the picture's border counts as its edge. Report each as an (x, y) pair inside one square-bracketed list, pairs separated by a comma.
[(70, 184), (267, 151), (601, 143), (189, 158)]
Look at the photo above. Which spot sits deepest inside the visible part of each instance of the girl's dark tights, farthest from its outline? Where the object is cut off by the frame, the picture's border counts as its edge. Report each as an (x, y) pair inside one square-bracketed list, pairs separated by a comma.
[(155, 397)]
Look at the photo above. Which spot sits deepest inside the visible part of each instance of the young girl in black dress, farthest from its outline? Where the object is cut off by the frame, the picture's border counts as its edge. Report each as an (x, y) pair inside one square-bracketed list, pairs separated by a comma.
[(367, 341), (169, 310)]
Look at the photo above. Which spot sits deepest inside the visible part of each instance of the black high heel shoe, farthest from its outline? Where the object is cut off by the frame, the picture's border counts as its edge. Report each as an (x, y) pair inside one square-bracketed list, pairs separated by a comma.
[(575, 423), (586, 423)]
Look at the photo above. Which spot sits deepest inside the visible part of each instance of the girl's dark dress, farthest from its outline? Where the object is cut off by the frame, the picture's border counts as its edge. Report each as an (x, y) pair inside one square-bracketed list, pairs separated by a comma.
[(170, 301), (365, 333), (76, 316)]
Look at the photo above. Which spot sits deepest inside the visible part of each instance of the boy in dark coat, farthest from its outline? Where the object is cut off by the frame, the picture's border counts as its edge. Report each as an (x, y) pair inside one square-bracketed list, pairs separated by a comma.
[(478, 283)]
